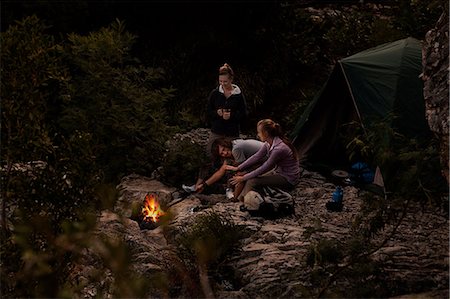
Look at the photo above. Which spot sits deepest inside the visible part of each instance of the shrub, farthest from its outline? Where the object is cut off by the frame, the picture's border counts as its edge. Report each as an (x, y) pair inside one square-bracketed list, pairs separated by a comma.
[(410, 167), (80, 108), (324, 252), (47, 199), (203, 246), (33, 78), (182, 162), (119, 101), (209, 239)]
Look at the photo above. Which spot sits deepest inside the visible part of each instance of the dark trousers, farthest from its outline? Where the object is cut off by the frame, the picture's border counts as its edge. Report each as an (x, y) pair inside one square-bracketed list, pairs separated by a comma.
[(269, 179)]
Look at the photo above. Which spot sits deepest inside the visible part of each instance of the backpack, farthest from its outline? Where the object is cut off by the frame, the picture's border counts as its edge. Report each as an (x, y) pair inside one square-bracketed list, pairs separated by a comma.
[(361, 173), (269, 203)]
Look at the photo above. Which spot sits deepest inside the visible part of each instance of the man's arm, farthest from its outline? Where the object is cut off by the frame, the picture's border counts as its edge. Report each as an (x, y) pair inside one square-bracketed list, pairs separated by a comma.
[(217, 175)]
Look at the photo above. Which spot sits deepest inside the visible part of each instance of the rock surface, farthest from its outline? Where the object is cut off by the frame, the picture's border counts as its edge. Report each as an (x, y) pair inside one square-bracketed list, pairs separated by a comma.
[(272, 261), (436, 81)]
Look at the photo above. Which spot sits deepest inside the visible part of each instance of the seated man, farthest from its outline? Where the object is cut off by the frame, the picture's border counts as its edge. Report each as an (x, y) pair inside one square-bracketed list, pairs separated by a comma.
[(227, 152)]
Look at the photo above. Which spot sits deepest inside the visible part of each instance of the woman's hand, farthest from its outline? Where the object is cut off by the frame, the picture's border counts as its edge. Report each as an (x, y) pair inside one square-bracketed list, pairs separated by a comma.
[(231, 167), (236, 179), (226, 114)]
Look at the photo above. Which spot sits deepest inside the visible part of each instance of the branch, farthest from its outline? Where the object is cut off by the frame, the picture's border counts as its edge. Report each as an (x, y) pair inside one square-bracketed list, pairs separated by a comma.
[(367, 254)]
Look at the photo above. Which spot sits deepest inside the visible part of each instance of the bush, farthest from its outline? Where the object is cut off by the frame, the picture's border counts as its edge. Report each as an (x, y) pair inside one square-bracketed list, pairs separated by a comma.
[(410, 167), (182, 162), (88, 111), (47, 199), (119, 101), (33, 78), (324, 252), (203, 246), (209, 239)]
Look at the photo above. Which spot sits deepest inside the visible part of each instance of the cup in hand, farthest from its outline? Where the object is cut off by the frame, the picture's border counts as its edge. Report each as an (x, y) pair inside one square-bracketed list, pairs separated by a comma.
[(226, 113)]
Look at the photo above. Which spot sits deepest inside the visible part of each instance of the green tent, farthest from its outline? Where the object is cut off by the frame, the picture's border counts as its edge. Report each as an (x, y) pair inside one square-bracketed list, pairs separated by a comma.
[(368, 86)]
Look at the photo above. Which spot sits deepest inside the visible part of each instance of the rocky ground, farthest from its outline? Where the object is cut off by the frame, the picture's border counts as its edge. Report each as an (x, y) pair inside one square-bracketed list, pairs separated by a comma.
[(273, 258)]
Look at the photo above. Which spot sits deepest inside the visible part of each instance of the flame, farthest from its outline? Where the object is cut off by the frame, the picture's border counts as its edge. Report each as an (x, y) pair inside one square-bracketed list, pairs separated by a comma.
[(151, 210)]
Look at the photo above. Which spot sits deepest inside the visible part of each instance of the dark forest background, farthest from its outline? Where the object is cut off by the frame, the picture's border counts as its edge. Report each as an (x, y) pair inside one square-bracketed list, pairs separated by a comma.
[(281, 51), (93, 89)]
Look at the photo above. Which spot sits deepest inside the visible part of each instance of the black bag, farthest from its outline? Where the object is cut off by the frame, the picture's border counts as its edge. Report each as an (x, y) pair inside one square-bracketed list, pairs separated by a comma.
[(269, 203)]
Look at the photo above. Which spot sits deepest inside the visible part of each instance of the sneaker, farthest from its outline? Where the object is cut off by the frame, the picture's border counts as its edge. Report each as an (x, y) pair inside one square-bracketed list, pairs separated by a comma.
[(229, 193), (188, 188)]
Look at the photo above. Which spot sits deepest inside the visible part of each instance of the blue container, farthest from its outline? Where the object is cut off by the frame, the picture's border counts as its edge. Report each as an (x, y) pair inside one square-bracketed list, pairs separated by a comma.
[(338, 194)]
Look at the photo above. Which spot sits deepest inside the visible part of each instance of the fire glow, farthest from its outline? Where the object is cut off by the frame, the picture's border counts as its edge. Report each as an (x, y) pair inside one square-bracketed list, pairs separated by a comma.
[(151, 210)]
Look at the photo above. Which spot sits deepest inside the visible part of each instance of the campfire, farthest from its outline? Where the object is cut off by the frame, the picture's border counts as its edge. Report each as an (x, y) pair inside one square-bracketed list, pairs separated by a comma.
[(150, 214)]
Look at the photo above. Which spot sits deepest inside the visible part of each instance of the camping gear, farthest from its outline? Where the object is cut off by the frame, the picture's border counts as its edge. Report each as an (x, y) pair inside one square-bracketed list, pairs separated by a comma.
[(361, 173), (340, 177), (364, 88), (336, 204), (229, 193), (338, 194), (269, 203), (341, 174)]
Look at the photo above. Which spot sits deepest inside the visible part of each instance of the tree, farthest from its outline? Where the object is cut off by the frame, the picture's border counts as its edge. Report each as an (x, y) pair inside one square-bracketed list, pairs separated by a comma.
[(74, 114), (116, 99)]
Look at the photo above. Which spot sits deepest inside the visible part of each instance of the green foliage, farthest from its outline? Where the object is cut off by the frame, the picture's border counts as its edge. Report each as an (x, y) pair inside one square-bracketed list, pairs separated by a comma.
[(367, 281), (302, 33), (85, 105), (324, 252), (116, 256), (416, 17), (320, 36), (201, 248), (187, 108), (182, 162), (36, 260), (188, 118), (209, 239), (120, 102), (57, 186), (85, 111), (48, 198), (316, 227), (32, 77), (411, 174), (352, 31), (56, 190), (355, 276), (296, 109), (410, 167)]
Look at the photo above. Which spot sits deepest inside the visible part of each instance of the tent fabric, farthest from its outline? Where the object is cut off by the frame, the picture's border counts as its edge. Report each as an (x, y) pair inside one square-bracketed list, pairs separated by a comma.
[(368, 86)]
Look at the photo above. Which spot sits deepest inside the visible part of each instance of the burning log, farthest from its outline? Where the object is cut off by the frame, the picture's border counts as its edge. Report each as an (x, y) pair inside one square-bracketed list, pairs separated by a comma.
[(150, 214)]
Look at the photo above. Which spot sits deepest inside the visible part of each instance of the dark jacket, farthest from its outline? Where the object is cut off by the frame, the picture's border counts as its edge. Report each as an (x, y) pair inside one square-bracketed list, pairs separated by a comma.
[(236, 102)]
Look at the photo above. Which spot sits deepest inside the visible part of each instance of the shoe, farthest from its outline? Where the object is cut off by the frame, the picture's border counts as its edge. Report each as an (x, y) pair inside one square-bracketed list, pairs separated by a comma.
[(188, 188), (229, 193)]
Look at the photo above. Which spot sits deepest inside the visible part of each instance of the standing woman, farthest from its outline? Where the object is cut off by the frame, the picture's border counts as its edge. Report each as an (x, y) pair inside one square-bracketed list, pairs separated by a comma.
[(281, 169), (226, 107)]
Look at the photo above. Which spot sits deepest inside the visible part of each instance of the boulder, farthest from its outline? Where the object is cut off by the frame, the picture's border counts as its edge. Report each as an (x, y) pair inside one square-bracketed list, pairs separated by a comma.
[(272, 260), (436, 80)]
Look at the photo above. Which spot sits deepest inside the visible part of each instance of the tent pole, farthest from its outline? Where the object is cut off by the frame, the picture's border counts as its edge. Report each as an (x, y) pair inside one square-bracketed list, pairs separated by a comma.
[(379, 176), (351, 95)]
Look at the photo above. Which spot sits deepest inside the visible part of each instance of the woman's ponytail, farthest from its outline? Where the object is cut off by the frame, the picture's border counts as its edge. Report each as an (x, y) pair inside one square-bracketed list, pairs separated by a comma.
[(274, 129)]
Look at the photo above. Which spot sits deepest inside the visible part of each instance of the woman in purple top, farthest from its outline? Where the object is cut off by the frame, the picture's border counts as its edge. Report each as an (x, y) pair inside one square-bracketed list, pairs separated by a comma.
[(281, 168)]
